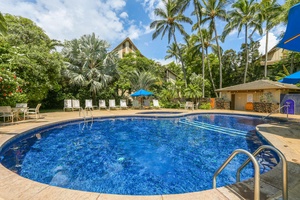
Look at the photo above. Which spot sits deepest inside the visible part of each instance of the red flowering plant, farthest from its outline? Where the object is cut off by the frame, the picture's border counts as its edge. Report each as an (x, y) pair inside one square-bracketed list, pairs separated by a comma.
[(10, 88)]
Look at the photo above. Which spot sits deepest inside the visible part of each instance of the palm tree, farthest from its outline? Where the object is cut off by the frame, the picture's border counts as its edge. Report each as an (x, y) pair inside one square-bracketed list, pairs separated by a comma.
[(172, 52), (197, 11), (244, 14), (141, 80), (207, 38), (171, 16), (89, 63), (193, 92), (212, 10), (268, 10), (3, 25)]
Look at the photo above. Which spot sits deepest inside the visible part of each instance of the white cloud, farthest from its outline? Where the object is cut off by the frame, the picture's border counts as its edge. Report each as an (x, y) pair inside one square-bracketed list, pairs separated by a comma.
[(272, 41), (163, 61), (124, 15), (69, 19), (150, 5), (117, 4), (134, 32), (278, 30)]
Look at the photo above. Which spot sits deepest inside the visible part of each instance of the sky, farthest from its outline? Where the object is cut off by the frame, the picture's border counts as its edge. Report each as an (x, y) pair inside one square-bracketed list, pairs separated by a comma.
[(113, 21)]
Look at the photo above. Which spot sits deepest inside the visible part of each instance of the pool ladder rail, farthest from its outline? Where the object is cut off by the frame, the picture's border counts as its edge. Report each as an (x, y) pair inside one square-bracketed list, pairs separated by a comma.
[(251, 157), (86, 114), (278, 109)]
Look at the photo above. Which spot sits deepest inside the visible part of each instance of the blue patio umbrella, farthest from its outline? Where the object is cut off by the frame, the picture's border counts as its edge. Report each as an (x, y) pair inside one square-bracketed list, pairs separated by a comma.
[(291, 79), (291, 38), (141, 93)]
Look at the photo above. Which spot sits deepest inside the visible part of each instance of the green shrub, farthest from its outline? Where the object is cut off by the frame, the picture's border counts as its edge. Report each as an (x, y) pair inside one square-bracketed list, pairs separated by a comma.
[(205, 106)]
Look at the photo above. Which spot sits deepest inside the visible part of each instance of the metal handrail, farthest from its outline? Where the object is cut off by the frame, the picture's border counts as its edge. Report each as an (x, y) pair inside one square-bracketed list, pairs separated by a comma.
[(86, 113), (284, 168), (256, 170), (287, 113)]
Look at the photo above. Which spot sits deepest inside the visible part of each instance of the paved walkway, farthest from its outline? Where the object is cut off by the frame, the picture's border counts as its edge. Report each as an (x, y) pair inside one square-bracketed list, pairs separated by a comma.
[(284, 136)]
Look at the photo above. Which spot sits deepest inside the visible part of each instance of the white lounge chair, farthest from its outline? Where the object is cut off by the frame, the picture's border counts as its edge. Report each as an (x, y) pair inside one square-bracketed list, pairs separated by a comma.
[(123, 104), (88, 104), (112, 104), (136, 104), (7, 112), (156, 103), (22, 108), (190, 105), (76, 105), (68, 104), (34, 111), (102, 104), (146, 104)]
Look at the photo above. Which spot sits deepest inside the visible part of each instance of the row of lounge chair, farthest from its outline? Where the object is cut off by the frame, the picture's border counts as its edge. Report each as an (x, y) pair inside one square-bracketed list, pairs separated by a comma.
[(74, 104)]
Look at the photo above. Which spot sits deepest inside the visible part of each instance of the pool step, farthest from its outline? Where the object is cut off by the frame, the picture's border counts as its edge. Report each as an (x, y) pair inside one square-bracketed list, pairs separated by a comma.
[(211, 127)]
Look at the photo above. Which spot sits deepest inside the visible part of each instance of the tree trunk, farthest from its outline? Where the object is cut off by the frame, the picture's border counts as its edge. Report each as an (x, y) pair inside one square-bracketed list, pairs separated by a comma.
[(266, 53), (182, 63), (199, 19), (247, 56), (219, 55), (292, 63), (210, 74)]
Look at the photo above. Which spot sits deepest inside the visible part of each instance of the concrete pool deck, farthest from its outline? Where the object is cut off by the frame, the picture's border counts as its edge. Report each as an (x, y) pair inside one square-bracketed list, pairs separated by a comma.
[(284, 136)]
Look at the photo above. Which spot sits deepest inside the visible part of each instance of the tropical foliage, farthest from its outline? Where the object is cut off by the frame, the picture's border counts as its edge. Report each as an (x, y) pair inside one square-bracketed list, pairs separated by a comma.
[(171, 16), (26, 54), (89, 65), (32, 70)]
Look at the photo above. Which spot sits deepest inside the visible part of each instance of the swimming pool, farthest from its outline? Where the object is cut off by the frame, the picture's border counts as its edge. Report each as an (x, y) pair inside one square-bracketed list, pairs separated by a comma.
[(134, 155)]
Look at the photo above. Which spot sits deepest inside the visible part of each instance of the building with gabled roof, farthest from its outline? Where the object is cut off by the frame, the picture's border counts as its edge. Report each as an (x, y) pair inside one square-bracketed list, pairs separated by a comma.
[(273, 56), (240, 95), (126, 46)]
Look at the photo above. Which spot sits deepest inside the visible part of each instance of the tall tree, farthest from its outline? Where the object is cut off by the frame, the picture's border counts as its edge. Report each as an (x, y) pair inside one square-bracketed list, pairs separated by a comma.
[(141, 80), (28, 55), (3, 25), (90, 64), (198, 12), (268, 10), (171, 17), (172, 52), (207, 43), (243, 15), (212, 10)]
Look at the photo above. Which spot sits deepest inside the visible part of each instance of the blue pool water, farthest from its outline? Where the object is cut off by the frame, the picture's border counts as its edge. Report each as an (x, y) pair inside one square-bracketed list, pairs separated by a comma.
[(159, 112), (139, 156)]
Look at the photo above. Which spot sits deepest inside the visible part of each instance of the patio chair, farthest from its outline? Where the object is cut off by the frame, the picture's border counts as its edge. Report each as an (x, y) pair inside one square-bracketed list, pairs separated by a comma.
[(112, 104), (76, 105), (68, 104), (156, 103), (34, 111), (7, 112), (190, 105), (136, 104), (88, 104), (22, 108), (123, 104), (146, 104), (102, 104)]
